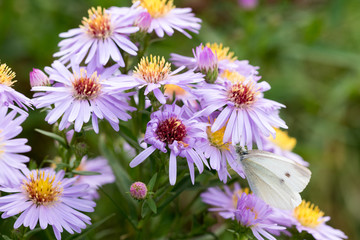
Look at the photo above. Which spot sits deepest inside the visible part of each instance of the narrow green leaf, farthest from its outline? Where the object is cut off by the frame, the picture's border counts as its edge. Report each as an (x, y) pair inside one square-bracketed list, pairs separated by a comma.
[(5, 237), (86, 173), (54, 136), (152, 205), (144, 209), (32, 232), (152, 182)]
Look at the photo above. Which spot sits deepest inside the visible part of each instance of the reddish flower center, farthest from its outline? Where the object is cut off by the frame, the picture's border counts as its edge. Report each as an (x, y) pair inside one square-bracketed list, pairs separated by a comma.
[(242, 94), (170, 130), (86, 87)]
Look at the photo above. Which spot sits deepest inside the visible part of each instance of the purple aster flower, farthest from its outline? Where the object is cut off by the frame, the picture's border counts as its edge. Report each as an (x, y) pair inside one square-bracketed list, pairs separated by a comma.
[(48, 198), (82, 94), (99, 38), (283, 145), (220, 154), (10, 159), (308, 217), (171, 129), (248, 4), (38, 78), (99, 165), (153, 73), (143, 21), (8, 96), (138, 190), (223, 202), (254, 213), (244, 111), (166, 18)]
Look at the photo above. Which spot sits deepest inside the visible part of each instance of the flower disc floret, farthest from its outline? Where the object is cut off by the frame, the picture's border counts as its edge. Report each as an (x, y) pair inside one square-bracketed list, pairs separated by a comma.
[(153, 70), (98, 24), (242, 94), (6, 75), (170, 130), (308, 214), (86, 87), (223, 53), (157, 8)]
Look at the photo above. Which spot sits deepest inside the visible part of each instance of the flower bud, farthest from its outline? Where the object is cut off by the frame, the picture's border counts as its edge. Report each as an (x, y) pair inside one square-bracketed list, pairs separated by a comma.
[(38, 78), (248, 4), (207, 63), (143, 21), (138, 190)]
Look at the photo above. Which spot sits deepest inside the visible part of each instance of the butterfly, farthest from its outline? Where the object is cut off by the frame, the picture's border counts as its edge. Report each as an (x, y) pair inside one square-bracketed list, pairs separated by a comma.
[(275, 179)]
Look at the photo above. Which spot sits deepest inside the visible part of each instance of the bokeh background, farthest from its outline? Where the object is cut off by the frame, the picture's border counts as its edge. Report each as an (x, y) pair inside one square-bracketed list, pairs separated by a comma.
[(308, 50)]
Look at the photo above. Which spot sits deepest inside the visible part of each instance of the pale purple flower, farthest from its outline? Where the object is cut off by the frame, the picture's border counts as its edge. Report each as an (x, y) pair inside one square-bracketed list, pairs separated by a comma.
[(8, 96), (248, 4), (244, 111), (143, 21), (11, 160), (254, 213), (171, 129), (38, 78), (138, 190), (206, 60), (82, 94), (98, 165), (153, 73), (47, 198), (166, 18), (100, 37)]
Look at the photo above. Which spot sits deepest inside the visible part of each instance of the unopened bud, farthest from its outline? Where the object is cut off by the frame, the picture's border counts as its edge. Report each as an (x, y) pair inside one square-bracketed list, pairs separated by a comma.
[(38, 78), (143, 21), (138, 190), (207, 62)]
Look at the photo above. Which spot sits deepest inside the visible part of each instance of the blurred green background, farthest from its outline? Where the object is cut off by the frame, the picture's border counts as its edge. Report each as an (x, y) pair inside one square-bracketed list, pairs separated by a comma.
[(308, 50)]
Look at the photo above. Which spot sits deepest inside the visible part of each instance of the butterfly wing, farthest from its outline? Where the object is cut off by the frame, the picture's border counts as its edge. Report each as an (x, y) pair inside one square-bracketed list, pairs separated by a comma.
[(275, 179)]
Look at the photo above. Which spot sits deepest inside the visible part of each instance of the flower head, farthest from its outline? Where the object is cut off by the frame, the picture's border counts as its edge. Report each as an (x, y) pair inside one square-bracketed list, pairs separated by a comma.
[(99, 38), (99, 165), (11, 162), (207, 63), (48, 198), (165, 17), (82, 94), (138, 190), (38, 78), (153, 72), (143, 21), (171, 129), (8, 96)]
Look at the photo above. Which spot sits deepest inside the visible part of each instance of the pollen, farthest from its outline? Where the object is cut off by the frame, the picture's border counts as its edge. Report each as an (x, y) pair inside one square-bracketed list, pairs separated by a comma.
[(171, 129), (42, 189), (153, 69), (232, 76), (157, 8), (223, 53), (98, 25), (283, 140), (242, 94), (85, 87), (308, 214), (6, 75), (216, 138)]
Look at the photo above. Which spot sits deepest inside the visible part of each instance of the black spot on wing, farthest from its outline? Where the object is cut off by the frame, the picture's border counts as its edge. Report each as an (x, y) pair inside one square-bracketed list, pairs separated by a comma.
[(287, 174)]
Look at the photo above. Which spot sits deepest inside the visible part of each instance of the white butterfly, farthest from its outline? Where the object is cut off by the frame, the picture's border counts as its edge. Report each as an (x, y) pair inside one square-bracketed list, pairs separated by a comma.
[(275, 179)]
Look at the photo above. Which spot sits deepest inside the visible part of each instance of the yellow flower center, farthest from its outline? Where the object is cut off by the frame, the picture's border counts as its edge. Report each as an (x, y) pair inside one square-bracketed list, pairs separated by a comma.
[(223, 53), (86, 87), (153, 69), (98, 24), (41, 188), (232, 76), (237, 194), (308, 214), (157, 8), (6, 75), (283, 140), (216, 138)]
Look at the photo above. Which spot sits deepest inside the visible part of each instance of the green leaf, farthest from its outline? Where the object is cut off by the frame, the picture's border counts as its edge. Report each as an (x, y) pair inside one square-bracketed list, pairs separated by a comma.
[(6, 237), (152, 182), (90, 228), (32, 232), (144, 209), (152, 205), (54, 136), (86, 173)]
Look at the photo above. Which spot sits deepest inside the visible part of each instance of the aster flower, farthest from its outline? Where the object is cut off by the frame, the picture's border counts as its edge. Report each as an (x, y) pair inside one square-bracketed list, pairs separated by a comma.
[(221, 153), (82, 94), (99, 38), (283, 145), (224, 57), (171, 129), (165, 18), (143, 21), (11, 162), (153, 73), (8, 96), (99, 165), (308, 217), (244, 111), (47, 198), (254, 213)]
